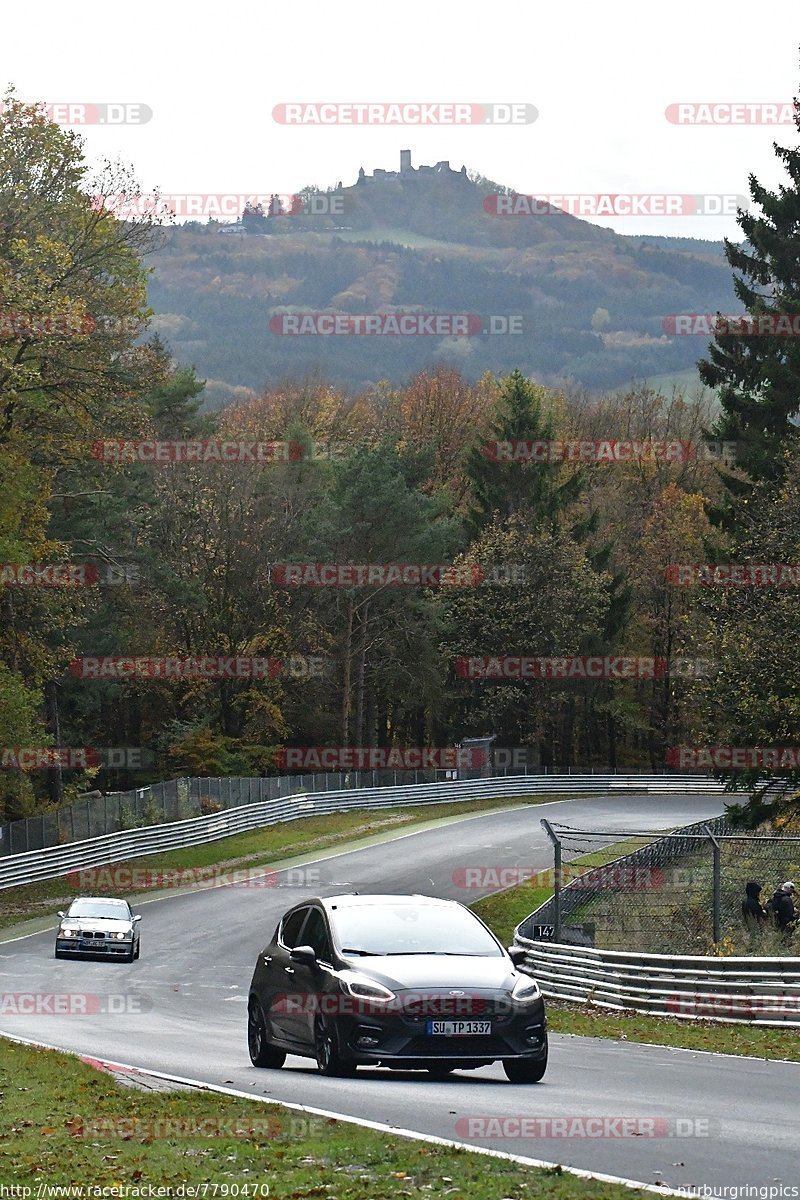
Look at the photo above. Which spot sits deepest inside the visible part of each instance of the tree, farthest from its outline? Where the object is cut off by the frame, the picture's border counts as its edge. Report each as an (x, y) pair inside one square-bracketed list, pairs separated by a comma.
[(750, 632), (504, 488), (73, 304), (559, 606), (374, 511), (758, 376)]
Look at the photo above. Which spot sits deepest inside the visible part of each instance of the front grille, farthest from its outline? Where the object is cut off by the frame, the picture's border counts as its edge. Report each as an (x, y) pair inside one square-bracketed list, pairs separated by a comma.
[(443, 1006), (469, 1047), (85, 933)]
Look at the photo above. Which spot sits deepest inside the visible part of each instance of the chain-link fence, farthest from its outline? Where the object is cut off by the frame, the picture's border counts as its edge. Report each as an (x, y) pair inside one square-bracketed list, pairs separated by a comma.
[(675, 893), (179, 799)]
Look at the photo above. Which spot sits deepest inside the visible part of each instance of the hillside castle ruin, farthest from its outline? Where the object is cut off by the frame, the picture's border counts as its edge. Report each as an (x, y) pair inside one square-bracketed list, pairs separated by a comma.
[(407, 173)]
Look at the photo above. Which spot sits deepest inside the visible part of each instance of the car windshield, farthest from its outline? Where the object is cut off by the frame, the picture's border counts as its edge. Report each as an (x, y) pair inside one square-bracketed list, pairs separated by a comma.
[(99, 908), (412, 929)]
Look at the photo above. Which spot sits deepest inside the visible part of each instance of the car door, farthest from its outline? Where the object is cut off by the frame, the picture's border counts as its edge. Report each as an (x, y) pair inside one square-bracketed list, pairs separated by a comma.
[(309, 982), (280, 992)]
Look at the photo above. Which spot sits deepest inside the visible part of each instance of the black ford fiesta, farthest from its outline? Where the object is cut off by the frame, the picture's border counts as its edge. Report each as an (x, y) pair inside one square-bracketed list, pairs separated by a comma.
[(408, 982)]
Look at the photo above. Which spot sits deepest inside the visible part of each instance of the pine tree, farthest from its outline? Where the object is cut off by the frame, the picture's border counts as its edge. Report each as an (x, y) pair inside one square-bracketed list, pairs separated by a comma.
[(506, 488), (758, 376)]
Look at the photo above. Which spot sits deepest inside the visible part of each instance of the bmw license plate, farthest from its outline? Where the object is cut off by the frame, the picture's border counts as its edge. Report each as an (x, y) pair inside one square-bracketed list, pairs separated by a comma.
[(459, 1028)]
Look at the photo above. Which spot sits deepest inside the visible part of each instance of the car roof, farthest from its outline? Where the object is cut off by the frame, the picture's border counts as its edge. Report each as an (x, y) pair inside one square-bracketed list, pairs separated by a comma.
[(99, 900)]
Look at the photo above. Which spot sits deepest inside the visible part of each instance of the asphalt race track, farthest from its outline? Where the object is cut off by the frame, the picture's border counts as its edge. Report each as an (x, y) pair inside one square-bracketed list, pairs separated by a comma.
[(198, 953)]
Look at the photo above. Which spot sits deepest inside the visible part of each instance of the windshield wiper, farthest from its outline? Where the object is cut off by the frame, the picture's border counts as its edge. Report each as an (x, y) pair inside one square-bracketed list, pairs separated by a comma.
[(350, 950), (439, 953)]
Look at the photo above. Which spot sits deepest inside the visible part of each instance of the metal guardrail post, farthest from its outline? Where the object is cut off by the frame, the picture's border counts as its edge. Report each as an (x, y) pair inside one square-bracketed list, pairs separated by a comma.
[(548, 828), (716, 875)]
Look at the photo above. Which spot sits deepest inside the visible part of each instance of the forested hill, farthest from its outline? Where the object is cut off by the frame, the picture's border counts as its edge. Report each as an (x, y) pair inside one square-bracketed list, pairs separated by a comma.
[(590, 303)]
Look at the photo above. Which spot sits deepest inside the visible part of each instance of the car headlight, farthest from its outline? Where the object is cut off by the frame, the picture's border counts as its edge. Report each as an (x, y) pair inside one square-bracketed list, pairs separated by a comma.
[(67, 933), (120, 936), (361, 988), (525, 989)]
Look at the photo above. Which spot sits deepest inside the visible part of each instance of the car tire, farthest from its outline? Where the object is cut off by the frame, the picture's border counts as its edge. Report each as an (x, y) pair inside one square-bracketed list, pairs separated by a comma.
[(330, 1060), (138, 948), (131, 954), (58, 954), (525, 1070), (262, 1053), (440, 1072)]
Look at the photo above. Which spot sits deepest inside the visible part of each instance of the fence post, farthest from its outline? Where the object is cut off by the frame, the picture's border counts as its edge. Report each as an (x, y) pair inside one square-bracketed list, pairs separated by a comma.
[(548, 828), (717, 885)]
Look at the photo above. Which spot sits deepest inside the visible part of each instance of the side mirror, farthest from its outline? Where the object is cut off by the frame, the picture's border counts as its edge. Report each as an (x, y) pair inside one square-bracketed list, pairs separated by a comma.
[(138, 917), (304, 955), (62, 914), (517, 954)]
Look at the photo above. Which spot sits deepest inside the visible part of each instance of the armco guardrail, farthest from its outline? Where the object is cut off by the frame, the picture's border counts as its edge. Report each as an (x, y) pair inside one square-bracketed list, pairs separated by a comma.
[(759, 991), (96, 814), (53, 861)]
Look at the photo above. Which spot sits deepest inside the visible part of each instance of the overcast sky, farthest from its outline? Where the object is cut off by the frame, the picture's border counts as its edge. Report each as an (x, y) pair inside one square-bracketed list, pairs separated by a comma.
[(600, 75)]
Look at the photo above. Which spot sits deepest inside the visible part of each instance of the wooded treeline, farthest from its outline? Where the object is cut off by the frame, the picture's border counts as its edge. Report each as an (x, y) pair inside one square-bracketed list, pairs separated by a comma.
[(573, 556)]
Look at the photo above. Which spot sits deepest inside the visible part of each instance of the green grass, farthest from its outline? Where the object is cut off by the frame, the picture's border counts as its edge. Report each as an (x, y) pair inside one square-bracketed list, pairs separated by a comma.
[(257, 848), (59, 1118), (750, 1040)]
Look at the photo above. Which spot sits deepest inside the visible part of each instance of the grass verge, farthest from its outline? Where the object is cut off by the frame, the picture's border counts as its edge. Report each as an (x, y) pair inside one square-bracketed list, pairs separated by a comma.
[(256, 848), (751, 1040), (66, 1123)]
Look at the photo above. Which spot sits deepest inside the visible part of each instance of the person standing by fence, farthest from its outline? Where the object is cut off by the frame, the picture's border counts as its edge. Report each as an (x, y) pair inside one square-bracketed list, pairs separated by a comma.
[(782, 908), (753, 911)]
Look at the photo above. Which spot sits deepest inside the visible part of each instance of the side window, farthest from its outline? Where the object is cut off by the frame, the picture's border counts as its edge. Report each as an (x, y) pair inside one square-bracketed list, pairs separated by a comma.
[(315, 934), (291, 926)]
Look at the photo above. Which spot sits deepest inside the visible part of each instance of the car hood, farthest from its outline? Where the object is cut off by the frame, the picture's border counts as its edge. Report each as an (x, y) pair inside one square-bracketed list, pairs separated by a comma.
[(102, 924), (422, 971)]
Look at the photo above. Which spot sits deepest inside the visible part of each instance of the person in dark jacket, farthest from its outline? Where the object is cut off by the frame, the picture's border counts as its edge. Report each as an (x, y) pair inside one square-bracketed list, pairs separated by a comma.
[(753, 912), (782, 906)]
